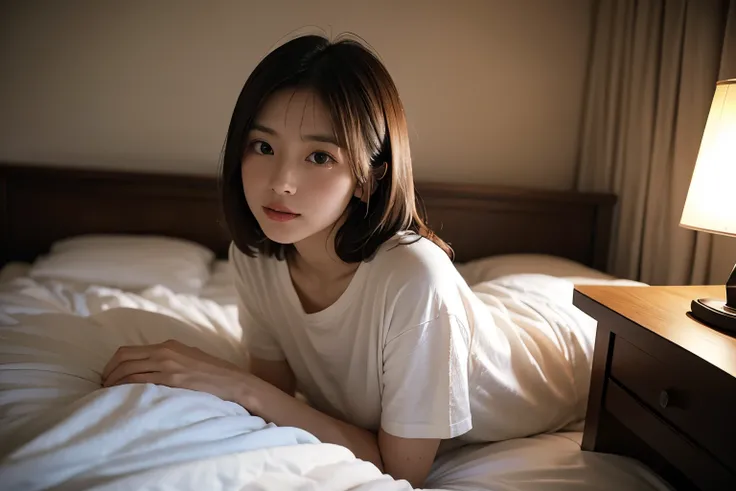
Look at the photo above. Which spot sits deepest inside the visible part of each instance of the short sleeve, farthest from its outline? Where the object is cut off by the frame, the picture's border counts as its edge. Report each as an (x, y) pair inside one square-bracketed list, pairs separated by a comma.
[(258, 338), (425, 381)]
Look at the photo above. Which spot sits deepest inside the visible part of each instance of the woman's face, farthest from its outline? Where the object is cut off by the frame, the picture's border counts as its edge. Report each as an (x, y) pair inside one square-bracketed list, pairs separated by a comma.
[(297, 180)]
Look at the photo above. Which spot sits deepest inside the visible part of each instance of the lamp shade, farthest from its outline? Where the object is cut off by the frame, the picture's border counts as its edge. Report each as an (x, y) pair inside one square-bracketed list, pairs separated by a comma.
[(711, 200)]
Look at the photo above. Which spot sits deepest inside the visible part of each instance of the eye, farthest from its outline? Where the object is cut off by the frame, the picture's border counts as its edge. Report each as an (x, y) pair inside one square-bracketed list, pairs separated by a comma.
[(262, 148), (320, 158)]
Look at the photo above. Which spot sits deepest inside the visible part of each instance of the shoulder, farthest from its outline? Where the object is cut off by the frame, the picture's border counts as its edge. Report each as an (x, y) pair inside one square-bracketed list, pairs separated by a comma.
[(422, 288), (414, 259), (240, 263), (251, 273), (239, 259), (418, 280)]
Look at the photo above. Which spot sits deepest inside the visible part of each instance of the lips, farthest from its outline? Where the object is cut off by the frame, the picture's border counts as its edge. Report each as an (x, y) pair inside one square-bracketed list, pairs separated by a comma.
[(279, 213), (280, 208)]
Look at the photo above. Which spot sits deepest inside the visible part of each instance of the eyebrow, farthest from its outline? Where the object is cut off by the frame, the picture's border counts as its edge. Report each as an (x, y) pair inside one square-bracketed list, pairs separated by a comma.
[(317, 138)]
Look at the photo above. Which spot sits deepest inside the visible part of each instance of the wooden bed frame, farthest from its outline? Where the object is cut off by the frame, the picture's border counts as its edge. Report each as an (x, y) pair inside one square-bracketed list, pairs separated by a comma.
[(42, 204)]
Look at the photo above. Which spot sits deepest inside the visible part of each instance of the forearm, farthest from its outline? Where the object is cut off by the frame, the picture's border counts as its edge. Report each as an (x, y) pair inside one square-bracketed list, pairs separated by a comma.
[(268, 402)]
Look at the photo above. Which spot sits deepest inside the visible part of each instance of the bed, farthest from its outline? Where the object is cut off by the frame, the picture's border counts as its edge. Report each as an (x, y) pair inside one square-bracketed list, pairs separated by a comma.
[(66, 306)]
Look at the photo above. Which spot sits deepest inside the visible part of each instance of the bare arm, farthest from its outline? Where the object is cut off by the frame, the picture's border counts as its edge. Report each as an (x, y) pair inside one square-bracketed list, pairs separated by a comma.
[(274, 405), (276, 373), (407, 458), (402, 458)]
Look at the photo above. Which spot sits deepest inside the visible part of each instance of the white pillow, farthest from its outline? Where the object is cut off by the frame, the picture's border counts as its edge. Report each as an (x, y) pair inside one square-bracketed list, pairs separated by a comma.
[(494, 267), (128, 262)]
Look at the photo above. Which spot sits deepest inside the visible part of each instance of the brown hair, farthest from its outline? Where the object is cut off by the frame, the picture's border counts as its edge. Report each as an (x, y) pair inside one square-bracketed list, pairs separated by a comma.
[(370, 125)]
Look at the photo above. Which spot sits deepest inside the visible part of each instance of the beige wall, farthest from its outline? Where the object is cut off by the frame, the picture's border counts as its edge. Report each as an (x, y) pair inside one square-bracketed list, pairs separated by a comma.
[(493, 89)]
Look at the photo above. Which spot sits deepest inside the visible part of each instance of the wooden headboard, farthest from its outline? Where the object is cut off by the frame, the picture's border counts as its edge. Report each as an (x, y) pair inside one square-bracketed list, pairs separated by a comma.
[(42, 204)]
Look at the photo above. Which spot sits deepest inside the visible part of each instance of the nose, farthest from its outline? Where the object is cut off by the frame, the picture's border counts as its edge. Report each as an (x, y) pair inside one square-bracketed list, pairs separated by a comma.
[(284, 178)]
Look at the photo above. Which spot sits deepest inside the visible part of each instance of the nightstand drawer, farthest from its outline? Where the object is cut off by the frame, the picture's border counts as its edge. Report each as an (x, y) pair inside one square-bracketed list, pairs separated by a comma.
[(698, 400), (691, 460)]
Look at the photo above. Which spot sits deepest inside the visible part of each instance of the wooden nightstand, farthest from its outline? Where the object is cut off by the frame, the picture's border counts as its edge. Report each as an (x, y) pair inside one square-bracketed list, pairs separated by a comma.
[(663, 387)]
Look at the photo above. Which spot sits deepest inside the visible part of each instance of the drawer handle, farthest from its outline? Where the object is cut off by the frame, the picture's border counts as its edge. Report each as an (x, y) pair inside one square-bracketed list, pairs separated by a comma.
[(664, 399)]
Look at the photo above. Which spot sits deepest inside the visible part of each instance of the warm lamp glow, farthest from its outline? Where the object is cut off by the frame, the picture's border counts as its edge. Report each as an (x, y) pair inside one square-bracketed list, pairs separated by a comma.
[(711, 200)]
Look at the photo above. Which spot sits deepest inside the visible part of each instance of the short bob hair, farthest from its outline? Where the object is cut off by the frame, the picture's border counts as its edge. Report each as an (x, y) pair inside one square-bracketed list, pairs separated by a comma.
[(369, 123)]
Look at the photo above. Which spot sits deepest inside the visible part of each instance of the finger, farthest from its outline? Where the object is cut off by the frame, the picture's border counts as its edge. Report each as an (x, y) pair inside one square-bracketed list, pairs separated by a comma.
[(125, 353), (130, 367), (174, 349), (174, 344), (142, 378)]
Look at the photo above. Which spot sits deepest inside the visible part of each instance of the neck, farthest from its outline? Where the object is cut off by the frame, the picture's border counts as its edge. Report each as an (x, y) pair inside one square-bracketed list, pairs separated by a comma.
[(316, 256)]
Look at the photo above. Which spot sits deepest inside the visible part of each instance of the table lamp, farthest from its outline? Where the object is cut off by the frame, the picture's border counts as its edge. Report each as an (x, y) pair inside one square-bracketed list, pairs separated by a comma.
[(711, 200)]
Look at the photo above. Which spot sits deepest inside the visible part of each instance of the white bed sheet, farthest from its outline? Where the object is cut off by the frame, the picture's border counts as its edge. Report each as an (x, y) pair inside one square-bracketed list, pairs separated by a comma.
[(547, 462), (60, 429)]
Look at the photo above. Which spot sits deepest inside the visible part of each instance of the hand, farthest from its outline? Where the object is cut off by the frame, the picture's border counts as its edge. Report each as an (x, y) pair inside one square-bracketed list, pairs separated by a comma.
[(175, 365)]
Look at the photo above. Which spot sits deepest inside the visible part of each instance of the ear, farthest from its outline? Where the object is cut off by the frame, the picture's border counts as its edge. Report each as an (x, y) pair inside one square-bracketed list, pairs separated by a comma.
[(360, 191)]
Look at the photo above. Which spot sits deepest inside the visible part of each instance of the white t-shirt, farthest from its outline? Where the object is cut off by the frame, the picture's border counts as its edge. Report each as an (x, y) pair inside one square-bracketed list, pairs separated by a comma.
[(407, 347)]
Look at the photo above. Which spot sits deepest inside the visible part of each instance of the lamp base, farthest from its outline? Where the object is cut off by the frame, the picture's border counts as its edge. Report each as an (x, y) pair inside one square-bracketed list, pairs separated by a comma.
[(715, 313)]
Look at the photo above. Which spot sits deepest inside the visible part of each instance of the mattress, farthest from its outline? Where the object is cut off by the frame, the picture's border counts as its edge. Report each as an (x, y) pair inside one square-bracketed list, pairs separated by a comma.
[(60, 429)]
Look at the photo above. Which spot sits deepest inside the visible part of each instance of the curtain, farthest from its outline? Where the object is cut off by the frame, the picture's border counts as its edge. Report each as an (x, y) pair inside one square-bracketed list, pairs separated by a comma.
[(652, 73)]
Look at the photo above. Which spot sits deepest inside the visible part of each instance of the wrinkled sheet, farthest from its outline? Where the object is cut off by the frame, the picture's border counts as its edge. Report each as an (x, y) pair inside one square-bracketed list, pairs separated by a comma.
[(60, 429)]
